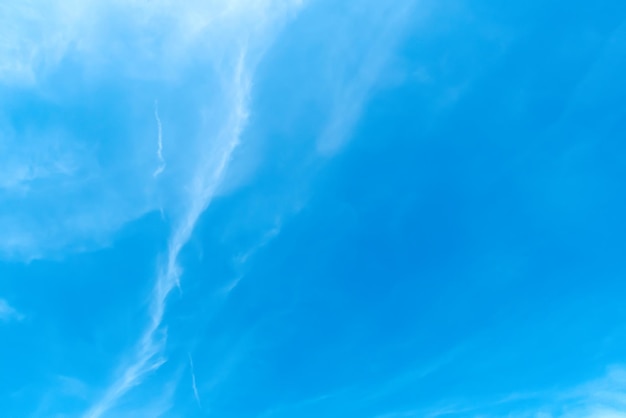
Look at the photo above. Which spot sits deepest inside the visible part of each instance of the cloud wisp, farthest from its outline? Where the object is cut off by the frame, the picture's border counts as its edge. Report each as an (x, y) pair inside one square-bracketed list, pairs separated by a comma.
[(604, 397), (9, 313), (194, 385), (163, 40), (82, 152), (210, 165), (352, 96), (148, 356), (160, 158), (196, 166)]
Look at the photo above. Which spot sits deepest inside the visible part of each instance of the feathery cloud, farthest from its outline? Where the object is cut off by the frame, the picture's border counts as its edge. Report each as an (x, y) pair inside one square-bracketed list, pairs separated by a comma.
[(147, 356), (92, 182), (212, 159)]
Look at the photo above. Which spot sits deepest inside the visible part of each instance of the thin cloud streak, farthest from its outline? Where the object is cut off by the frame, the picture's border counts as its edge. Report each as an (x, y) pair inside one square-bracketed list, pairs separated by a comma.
[(148, 355), (161, 166), (194, 386), (351, 100)]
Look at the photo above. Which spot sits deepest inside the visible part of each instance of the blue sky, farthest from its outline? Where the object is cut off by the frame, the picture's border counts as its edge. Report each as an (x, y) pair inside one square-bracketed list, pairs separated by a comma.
[(312, 208)]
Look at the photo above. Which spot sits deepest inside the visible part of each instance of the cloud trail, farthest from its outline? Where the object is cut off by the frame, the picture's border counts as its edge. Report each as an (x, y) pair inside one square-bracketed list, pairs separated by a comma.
[(194, 386), (148, 355), (161, 166)]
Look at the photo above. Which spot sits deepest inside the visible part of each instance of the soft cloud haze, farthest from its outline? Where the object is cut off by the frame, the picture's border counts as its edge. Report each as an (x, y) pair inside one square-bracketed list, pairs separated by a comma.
[(287, 208), (8, 313)]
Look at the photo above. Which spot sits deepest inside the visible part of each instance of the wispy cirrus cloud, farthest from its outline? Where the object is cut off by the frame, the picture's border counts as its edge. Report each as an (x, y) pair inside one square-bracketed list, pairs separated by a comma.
[(165, 44), (209, 166), (9, 313), (73, 61), (386, 30), (106, 174), (160, 158), (147, 357), (604, 397), (194, 384)]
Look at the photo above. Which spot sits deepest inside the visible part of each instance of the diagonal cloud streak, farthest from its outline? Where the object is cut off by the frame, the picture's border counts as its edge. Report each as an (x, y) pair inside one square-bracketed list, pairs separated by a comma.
[(95, 181), (147, 355), (353, 96)]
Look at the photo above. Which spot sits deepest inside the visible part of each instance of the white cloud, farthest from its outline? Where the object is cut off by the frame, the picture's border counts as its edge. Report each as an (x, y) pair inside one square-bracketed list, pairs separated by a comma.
[(78, 195), (160, 158), (604, 397), (61, 189), (147, 356), (387, 30), (267, 237), (601, 398), (9, 313), (211, 156), (194, 385)]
